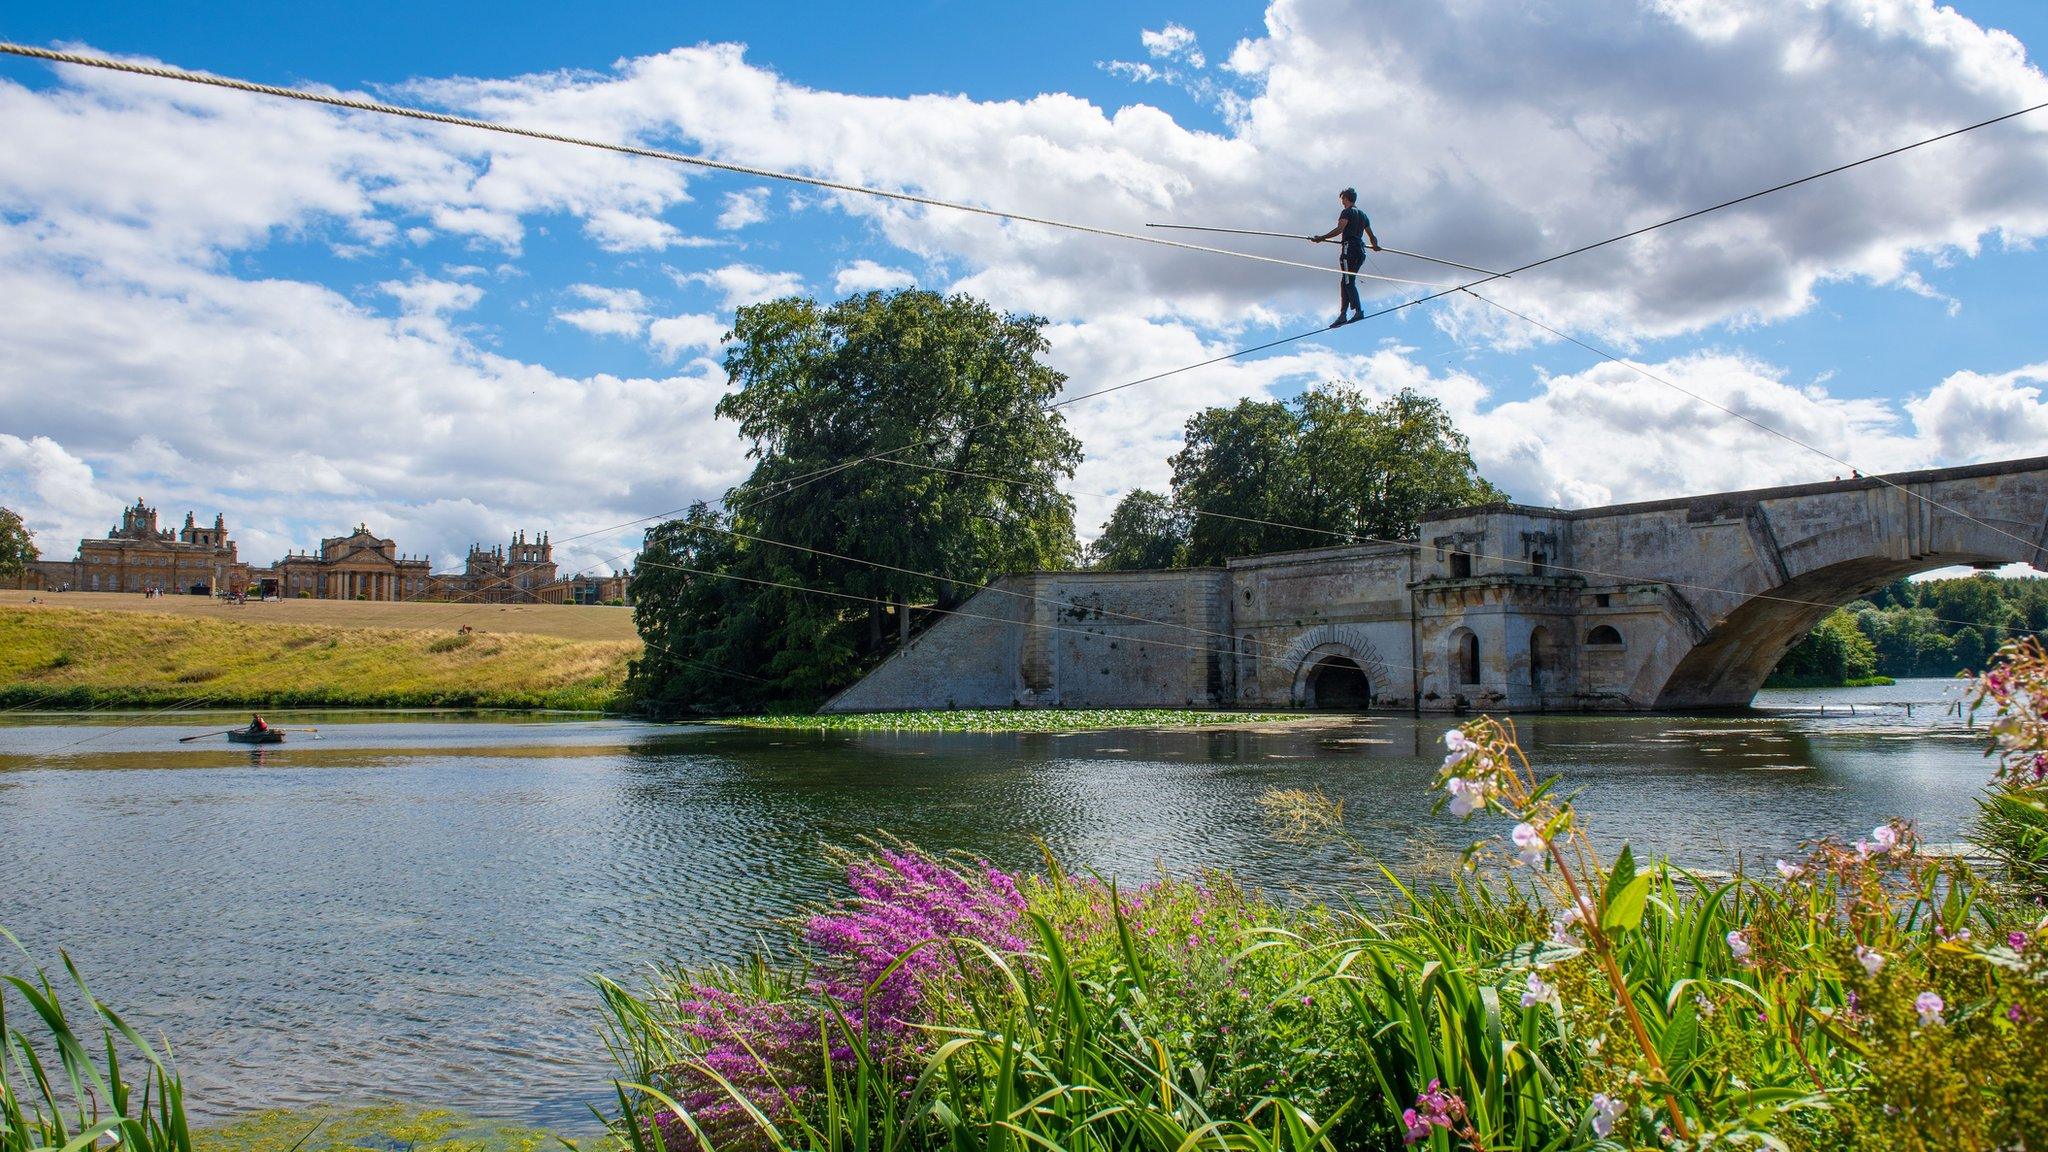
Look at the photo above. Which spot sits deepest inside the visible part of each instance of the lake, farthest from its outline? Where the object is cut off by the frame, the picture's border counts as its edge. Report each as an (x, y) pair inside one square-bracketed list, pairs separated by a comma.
[(410, 907)]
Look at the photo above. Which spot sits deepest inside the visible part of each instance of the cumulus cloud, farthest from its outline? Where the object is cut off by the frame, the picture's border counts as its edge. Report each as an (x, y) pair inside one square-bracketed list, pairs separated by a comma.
[(739, 285), (869, 276), (1173, 42), (615, 311), (691, 331), (1973, 416), (749, 206)]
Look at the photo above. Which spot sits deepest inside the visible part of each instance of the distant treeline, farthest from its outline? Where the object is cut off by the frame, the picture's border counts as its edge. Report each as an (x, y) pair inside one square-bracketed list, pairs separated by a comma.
[(1930, 628)]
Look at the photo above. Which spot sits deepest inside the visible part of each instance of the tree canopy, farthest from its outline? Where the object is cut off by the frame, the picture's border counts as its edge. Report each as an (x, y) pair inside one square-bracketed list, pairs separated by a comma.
[(1266, 476), (753, 604), (17, 545), (1917, 628)]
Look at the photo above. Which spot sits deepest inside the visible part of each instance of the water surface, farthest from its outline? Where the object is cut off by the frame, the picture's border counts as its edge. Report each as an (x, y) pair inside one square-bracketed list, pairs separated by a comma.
[(410, 908)]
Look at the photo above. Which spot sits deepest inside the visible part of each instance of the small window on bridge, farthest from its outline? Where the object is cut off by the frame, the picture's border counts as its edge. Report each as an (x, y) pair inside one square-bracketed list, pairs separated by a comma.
[(1603, 635), (1467, 659), (1461, 565), (1536, 562)]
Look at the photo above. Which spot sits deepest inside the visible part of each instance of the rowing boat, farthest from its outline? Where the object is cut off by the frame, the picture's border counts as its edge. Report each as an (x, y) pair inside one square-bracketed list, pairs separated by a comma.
[(256, 736)]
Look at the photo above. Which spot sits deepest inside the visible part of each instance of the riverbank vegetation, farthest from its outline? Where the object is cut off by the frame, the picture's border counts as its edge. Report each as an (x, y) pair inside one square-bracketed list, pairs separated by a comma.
[(1908, 628), (1011, 720), (1858, 995), (59, 657)]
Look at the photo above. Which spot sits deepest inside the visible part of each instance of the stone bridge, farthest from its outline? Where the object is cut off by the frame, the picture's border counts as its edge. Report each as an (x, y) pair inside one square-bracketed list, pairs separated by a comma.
[(1670, 604)]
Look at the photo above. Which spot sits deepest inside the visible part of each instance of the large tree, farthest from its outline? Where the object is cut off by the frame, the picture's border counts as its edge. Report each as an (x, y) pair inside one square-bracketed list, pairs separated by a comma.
[(1329, 465), (834, 402), (17, 546), (1144, 531)]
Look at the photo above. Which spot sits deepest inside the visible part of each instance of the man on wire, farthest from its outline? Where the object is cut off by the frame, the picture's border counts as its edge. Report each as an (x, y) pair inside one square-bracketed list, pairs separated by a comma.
[(1357, 233)]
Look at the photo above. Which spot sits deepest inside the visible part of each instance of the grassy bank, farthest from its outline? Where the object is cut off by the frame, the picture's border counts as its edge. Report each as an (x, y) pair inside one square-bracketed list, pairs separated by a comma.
[(1011, 720), (60, 657)]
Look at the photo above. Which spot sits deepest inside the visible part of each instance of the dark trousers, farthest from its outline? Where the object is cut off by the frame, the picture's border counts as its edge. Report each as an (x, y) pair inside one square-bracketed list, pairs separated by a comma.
[(1347, 285)]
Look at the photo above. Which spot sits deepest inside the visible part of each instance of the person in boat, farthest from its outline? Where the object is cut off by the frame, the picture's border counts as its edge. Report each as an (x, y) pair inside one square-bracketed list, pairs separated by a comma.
[(256, 723), (1356, 231)]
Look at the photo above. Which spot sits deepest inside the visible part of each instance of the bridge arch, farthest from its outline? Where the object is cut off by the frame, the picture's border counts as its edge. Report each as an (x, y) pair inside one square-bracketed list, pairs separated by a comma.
[(1325, 651), (1726, 667)]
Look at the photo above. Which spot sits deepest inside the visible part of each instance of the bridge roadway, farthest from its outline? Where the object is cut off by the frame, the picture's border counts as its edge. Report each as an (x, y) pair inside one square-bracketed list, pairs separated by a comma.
[(1669, 604)]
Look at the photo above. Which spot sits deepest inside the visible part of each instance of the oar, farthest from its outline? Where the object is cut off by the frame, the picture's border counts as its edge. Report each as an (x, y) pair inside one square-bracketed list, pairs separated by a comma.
[(1298, 236), (204, 735)]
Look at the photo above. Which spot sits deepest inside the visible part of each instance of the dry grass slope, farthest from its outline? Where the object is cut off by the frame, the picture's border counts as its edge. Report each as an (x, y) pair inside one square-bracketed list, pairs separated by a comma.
[(570, 622), (64, 657)]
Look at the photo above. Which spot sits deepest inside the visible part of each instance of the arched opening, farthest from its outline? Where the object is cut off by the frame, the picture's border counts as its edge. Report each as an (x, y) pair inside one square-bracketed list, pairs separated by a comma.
[(1464, 657), (1603, 635), (1461, 565), (1338, 682), (1540, 658)]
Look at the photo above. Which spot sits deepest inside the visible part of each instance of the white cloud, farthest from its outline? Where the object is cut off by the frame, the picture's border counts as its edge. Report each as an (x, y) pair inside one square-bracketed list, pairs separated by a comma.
[(742, 208), (739, 285), (1972, 416), (618, 311), (869, 276), (690, 331), (1173, 42)]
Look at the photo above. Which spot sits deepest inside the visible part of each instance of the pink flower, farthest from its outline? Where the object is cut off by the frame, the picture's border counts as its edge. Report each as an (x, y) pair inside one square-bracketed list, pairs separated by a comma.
[(2016, 940), (1540, 992), (1530, 847), (1789, 871), (1738, 945), (1929, 1005), (1417, 1127), (1870, 958)]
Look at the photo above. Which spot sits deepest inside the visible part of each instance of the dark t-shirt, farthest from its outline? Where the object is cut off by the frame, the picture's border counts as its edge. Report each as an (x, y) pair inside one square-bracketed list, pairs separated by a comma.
[(1355, 224)]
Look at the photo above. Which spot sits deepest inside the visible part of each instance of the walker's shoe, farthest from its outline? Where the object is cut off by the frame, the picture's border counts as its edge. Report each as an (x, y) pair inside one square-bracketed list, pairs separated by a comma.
[(1339, 322)]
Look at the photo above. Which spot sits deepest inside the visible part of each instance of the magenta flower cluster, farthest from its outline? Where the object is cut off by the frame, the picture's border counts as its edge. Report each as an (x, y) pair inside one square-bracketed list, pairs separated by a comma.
[(904, 904), (1435, 1108)]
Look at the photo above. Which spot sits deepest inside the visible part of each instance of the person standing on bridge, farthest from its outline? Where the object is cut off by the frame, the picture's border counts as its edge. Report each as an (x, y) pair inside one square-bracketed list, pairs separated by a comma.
[(1356, 231)]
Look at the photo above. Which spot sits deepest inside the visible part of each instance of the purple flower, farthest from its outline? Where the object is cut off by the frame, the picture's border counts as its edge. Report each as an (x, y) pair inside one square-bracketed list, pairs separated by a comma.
[(1929, 1005), (1530, 847), (1606, 1110), (2016, 940), (1871, 959), (1540, 992), (1434, 1108)]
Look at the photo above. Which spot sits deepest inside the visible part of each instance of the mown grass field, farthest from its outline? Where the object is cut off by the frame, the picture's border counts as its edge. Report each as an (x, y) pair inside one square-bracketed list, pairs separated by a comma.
[(63, 657), (567, 621)]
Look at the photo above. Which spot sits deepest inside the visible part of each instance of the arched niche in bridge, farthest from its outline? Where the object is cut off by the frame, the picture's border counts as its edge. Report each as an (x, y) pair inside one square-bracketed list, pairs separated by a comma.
[(1542, 658), (1603, 636), (1464, 657), (1323, 660)]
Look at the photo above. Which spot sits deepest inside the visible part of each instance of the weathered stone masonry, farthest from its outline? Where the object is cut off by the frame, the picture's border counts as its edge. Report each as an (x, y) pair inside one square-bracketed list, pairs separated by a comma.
[(1684, 603)]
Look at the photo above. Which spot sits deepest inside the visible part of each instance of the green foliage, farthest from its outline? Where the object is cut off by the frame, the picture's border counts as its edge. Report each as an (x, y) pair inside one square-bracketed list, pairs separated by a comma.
[(1836, 652), (60, 1089), (744, 608), (1007, 720), (17, 545), (1930, 628), (1330, 462), (1145, 532)]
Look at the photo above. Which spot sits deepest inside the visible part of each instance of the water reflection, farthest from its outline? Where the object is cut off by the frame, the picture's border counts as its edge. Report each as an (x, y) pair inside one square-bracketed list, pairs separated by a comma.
[(412, 908)]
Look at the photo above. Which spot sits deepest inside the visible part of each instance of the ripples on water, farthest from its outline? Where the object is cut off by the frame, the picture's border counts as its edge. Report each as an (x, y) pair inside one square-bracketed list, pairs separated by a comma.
[(412, 908)]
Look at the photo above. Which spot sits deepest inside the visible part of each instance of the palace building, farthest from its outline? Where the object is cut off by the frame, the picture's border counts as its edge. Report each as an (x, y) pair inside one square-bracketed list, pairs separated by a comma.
[(137, 556), (358, 566), (518, 573)]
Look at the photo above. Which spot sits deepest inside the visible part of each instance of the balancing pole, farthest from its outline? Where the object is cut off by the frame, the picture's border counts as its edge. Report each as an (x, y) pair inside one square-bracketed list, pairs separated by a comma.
[(1296, 236)]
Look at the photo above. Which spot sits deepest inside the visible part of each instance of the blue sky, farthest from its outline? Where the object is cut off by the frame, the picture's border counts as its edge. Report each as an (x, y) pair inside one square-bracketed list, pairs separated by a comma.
[(456, 338)]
